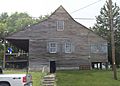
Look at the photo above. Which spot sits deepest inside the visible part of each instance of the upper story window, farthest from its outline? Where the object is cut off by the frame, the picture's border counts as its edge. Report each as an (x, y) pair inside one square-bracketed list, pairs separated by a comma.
[(60, 25), (99, 48), (68, 47), (52, 47)]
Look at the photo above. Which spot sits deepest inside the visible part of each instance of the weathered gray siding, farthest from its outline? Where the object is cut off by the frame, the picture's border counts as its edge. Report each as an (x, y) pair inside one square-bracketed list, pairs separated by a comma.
[(41, 34)]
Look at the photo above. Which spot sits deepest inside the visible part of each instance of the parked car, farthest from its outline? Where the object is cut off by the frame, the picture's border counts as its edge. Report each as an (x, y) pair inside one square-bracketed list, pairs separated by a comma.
[(15, 79)]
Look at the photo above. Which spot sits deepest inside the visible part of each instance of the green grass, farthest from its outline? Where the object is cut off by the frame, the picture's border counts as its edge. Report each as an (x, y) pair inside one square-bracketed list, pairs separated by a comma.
[(87, 78), (76, 78), (36, 76)]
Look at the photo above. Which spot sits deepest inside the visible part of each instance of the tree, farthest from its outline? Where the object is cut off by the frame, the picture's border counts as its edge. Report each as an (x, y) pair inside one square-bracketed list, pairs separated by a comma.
[(14, 23), (3, 17), (17, 21), (102, 27)]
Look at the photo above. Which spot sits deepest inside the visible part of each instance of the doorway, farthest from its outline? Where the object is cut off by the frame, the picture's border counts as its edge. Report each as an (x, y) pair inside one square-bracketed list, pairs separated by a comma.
[(52, 66)]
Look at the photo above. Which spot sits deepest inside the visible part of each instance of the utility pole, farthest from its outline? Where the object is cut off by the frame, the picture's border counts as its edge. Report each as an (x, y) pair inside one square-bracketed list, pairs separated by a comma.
[(112, 40)]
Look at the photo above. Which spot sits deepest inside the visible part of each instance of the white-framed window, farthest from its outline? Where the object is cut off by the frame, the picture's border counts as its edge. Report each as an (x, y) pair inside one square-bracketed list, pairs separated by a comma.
[(68, 47), (99, 48), (52, 47), (60, 25)]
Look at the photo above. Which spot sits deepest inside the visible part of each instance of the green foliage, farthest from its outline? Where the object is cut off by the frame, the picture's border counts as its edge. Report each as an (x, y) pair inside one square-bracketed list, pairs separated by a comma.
[(3, 29), (17, 21), (43, 17), (3, 17), (102, 27)]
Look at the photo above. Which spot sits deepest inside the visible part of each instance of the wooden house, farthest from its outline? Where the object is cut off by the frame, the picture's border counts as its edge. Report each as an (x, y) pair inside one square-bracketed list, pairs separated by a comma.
[(62, 40)]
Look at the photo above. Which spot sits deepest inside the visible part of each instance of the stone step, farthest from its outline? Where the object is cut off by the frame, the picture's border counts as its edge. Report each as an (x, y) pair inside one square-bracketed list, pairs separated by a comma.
[(48, 85), (48, 80), (51, 75)]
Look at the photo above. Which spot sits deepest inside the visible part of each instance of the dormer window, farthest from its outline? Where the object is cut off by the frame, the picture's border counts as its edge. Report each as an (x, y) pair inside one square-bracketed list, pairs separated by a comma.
[(60, 25)]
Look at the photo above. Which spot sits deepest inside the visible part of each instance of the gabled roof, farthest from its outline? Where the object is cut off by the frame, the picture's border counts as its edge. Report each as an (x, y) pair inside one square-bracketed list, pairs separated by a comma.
[(60, 9)]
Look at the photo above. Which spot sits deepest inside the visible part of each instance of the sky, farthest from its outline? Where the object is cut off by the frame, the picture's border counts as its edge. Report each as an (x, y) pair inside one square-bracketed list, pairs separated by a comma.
[(36, 8)]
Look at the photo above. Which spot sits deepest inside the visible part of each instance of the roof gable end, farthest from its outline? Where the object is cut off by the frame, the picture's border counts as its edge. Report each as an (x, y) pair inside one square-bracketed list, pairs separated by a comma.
[(60, 14)]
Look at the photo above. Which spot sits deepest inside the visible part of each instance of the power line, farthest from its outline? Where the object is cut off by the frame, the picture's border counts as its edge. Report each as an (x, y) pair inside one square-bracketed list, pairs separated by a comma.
[(85, 18), (74, 18), (86, 6)]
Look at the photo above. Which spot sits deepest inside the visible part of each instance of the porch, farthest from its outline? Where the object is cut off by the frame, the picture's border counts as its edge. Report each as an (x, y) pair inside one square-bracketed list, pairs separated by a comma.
[(19, 58)]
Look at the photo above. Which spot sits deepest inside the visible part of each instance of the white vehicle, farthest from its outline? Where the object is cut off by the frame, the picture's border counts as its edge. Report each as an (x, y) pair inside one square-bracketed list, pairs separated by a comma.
[(15, 80)]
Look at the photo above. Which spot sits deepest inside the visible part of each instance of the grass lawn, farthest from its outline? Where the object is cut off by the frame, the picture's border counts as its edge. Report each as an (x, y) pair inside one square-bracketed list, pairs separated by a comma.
[(36, 76), (87, 78)]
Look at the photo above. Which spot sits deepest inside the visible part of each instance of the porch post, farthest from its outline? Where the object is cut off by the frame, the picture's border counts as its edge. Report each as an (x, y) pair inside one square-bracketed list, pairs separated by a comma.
[(101, 65), (4, 54), (106, 65)]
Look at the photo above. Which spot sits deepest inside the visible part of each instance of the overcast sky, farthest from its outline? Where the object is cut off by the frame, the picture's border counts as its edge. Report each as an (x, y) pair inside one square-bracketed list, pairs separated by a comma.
[(36, 8)]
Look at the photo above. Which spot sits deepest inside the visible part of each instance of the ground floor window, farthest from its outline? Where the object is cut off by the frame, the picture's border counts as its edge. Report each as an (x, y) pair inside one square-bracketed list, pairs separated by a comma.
[(52, 47), (68, 47), (99, 48)]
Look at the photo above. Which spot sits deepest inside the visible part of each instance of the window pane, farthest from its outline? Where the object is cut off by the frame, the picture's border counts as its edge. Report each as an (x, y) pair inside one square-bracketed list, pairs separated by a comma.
[(68, 47), (53, 50), (94, 48), (53, 45), (104, 49), (60, 25)]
